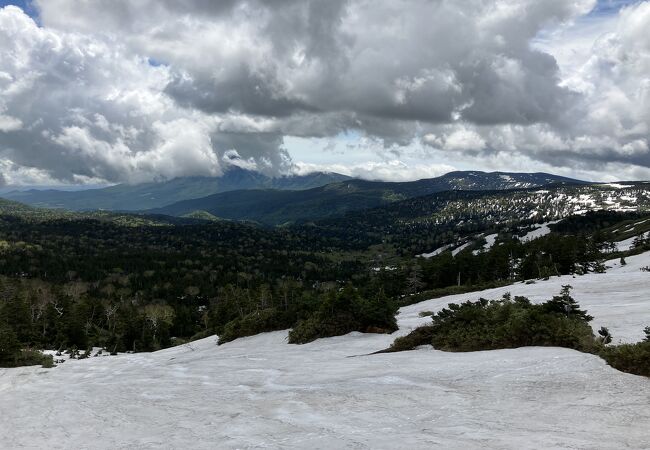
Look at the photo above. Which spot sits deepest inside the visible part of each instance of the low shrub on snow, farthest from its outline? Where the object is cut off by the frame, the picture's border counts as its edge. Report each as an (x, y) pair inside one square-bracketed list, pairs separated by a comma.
[(34, 358), (505, 323), (13, 355), (510, 323), (419, 336), (630, 358), (344, 312), (254, 323)]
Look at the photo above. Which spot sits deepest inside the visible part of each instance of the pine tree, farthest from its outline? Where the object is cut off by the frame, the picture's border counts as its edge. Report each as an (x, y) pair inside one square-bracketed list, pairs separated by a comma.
[(565, 304), (414, 281)]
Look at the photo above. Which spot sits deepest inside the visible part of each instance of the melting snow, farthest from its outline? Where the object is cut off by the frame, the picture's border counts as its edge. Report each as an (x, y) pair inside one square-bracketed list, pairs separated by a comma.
[(460, 249), (436, 252), (627, 244), (490, 239), (618, 186), (260, 392), (543, 230)]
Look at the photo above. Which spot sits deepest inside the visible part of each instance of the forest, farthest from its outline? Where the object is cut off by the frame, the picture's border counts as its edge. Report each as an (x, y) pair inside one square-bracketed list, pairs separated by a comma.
[(136, 283)]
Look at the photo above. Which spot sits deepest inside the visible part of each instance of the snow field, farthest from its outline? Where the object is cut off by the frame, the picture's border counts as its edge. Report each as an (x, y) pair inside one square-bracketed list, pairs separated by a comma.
[(261, 392)]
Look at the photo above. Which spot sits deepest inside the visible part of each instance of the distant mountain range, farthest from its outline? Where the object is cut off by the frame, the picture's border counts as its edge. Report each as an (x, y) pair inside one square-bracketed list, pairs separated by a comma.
[(276, 207), (125, 197), (247, 195)]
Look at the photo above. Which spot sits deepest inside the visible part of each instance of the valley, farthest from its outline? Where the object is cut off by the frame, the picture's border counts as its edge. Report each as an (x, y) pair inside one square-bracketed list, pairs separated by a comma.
[(259, 329)]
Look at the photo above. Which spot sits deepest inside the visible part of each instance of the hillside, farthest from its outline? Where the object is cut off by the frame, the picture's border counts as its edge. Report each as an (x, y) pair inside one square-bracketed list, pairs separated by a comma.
[(126, 197), (422, 224), (273, 207), (261, 392)]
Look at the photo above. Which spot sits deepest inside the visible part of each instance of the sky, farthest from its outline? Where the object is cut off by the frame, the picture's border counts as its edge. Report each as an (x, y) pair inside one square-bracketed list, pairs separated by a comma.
[(132, 91)]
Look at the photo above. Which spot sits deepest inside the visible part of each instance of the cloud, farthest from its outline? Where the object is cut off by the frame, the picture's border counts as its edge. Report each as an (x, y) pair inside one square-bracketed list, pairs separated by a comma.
[(8, 123), (393, 170), (85, 108), (605, 128), (152, 89)]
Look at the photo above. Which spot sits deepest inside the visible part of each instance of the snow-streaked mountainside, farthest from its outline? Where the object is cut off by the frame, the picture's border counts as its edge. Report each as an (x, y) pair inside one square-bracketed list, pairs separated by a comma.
[(260, 392), (274, 207), (547, 204)]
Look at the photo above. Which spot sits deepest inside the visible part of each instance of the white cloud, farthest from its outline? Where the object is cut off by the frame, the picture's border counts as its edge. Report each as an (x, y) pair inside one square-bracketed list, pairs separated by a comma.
[(8, 123), (463, 139), (393, 170), (140, 90), (85, 108)]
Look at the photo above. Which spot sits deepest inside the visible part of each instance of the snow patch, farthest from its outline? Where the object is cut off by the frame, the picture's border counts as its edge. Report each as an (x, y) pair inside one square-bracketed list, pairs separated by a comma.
[(628, 244), (543, 230), (436, 252), (460, 249), (618, 186)]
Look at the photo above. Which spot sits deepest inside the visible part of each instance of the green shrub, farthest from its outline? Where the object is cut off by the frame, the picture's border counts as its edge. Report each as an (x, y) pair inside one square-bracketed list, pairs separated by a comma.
[(254, 323), (419, 336), (505, 323), (344, 312), (34, 358), (630, 358), (47, 361), (201, 335), (312, 328), (29, 358), (9, 346), (449, 290)]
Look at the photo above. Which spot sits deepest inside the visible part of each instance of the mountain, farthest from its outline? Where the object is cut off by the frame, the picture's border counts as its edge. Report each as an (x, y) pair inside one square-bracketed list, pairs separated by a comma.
[(422, 224), (275, 207), (127, 197)]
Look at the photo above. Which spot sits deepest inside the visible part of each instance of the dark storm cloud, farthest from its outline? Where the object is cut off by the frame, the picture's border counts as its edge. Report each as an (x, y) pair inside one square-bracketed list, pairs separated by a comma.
[(81, 100), (416, 60)]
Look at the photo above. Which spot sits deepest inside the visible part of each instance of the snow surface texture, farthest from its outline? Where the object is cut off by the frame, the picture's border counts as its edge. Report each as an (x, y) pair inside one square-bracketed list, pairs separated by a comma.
[(261, 392)]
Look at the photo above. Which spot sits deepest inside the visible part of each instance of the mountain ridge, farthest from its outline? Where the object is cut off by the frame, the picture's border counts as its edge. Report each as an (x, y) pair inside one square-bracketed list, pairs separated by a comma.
[(275, 207), (124, 197)]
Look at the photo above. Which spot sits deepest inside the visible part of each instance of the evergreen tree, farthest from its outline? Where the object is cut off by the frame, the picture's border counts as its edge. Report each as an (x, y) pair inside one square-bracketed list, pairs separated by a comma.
[(414, 281), (565, 304), (9, 345)]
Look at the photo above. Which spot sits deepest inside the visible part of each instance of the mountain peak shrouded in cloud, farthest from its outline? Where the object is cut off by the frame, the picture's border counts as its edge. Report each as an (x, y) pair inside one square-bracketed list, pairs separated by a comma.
[(135, 91)]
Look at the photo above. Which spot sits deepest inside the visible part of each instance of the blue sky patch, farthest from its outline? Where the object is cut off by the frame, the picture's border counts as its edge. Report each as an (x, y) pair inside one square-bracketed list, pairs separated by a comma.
[(606, 7), (25, 5)]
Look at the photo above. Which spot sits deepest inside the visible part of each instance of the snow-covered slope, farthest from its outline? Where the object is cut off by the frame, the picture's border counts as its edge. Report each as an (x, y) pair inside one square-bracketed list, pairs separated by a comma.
[(617, 299), (260, 392)]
